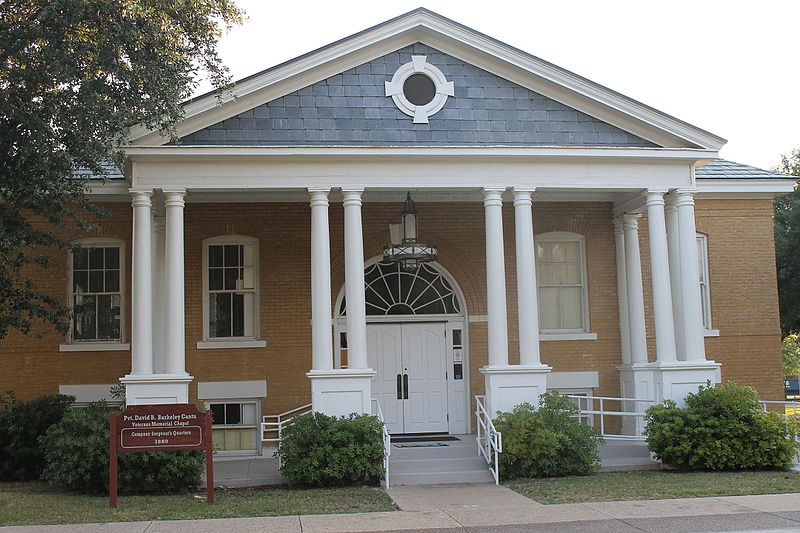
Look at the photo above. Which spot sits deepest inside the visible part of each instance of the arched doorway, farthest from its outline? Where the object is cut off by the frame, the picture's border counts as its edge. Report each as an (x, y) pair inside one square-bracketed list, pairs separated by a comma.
[(417, 344)]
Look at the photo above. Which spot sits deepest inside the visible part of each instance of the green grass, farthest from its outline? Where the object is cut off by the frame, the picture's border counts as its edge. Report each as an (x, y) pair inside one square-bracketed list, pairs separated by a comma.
[(37, 503), (650, 485)]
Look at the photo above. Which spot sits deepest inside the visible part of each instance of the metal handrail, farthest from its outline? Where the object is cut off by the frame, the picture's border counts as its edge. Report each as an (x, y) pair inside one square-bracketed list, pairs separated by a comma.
[(637, 415), (490, 441), (387, 441), (280, 421)]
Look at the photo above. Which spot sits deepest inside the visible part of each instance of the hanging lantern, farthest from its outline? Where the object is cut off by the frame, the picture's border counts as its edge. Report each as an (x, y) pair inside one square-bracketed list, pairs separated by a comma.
[(408, 252)]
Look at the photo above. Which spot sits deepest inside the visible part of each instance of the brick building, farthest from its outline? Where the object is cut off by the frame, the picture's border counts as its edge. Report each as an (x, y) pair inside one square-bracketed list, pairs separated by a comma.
[(586, 243)]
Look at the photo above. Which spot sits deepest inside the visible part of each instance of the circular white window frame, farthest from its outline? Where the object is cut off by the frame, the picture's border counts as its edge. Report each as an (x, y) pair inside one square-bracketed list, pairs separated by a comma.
[(419, 65)]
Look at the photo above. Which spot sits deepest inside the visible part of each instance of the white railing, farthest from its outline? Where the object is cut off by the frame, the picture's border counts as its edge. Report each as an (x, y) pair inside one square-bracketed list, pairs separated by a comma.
[(490, 441), (791, 409), (387, 441), (274, 424), (630, 412)]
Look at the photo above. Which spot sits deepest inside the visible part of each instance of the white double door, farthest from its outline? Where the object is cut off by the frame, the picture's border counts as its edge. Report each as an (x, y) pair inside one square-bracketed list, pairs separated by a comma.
[(410, 381)]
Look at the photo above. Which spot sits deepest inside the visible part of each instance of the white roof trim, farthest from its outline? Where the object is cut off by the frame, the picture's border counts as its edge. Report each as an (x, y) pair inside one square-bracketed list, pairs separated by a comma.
[(742, 188), (459, 41), (688, 154)]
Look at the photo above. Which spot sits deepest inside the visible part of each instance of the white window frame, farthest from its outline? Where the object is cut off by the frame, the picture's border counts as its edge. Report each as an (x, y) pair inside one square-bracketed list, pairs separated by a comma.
[(582, 333), (100, 345), (256, 427), (705, 285), (250, 341)]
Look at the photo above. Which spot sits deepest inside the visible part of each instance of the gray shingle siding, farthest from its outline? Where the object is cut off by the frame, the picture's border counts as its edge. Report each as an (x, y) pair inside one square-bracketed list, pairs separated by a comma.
[(350, 109)]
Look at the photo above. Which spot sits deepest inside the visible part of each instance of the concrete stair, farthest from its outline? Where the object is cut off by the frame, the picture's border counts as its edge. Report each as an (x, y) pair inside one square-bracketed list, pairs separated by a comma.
[(430, 463), (626, 456)]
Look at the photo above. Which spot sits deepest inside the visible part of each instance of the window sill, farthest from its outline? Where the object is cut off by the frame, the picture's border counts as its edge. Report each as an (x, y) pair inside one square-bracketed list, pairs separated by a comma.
[(710, 333), (95, 347), (568, 336), (231, 343)]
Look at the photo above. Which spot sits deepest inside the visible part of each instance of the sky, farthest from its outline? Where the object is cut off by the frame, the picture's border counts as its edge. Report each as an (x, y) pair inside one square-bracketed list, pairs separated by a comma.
[(729, 67)]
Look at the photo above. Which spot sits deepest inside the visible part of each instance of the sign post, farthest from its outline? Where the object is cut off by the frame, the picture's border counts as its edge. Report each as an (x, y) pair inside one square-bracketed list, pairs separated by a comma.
[(159, 428)]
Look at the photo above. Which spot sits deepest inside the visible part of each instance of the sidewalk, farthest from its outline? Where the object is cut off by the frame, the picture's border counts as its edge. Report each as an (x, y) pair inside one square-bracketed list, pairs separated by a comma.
[(485, 507)]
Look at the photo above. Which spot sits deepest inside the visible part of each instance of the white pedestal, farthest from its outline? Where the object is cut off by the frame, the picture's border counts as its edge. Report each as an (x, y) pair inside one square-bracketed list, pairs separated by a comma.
[(636, 381), (148, 389), (341, 392), (673, 381), (509, 386)]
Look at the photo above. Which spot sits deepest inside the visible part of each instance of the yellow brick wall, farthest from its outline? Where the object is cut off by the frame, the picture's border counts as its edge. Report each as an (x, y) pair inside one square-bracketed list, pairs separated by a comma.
[(742, 277)]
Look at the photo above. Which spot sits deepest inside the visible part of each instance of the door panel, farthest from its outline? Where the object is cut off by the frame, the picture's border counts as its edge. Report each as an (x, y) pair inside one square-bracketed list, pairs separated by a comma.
[(417, 352), (424, 362), (384, 356)]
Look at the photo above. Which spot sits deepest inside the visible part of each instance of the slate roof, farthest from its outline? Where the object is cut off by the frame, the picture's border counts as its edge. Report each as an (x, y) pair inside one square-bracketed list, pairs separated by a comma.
[(111, 172), (724, 169)]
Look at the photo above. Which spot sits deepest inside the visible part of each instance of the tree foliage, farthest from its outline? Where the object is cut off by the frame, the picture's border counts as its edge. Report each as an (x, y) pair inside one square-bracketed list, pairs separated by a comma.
[(790, 350), (75, 77), (787, 247)]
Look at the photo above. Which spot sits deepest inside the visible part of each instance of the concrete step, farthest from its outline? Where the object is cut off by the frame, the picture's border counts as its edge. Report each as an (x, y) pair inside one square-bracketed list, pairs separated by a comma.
[(453, 449), (439, 478), (457, 464)]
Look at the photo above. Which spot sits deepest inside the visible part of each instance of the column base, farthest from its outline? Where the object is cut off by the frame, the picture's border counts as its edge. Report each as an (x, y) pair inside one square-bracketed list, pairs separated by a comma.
[(636, 381), (509, 386), (341, 392), (149, 389), (673, 381)]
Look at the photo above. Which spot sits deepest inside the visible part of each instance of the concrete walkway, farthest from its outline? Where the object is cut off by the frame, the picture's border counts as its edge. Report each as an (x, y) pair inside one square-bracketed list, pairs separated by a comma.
[(486, 508)]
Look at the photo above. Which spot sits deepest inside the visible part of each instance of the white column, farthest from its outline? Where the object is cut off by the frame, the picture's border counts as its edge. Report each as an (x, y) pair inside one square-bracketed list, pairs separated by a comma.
[(159, 295), (659, 269), (527, 297), (174, 319), (321, 343), (495, 277), (690, 277), (622, 292), (633, 274), (354, 280), (142, 305), (671, 213)]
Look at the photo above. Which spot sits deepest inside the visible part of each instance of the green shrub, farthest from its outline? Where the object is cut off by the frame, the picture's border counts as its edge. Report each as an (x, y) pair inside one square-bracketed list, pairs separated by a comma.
[(547, 441), (317, 450), (21, 425), (721, 428), (76, 457)]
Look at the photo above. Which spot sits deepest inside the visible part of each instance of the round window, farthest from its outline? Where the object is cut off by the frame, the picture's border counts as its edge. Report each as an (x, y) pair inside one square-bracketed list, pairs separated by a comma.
[(419, 89)]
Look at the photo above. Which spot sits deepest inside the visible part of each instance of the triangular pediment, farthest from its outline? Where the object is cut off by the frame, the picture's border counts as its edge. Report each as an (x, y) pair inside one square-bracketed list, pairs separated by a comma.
[(502, 96)]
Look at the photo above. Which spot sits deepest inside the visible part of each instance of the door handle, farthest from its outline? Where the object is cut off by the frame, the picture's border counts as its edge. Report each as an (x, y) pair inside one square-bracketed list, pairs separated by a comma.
[(405, 386), (399, 387)]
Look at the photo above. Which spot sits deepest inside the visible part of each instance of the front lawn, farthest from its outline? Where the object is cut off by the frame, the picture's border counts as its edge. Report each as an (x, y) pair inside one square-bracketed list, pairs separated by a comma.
[(653, 484), (37, 503)]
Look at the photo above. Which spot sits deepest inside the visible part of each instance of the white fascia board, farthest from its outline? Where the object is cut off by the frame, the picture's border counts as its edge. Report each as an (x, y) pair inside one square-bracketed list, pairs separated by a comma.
[(264, 168), (743, 188), (456, 40), (174, 152)]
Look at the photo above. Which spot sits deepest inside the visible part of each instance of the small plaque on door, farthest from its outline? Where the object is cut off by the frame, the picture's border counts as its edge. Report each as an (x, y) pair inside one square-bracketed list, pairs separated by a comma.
[(458, 355)]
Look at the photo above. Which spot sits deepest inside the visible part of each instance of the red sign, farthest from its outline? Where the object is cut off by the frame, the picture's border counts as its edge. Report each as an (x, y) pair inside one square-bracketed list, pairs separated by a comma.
[(159, 428)]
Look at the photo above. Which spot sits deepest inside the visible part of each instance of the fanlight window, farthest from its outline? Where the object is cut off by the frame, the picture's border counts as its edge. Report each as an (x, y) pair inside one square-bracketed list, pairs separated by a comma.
[(390, 290)]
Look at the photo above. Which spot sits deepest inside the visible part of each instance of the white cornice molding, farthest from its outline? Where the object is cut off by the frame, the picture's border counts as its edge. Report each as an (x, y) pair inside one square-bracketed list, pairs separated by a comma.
[(741, 188), (138, 153), (459, 41)]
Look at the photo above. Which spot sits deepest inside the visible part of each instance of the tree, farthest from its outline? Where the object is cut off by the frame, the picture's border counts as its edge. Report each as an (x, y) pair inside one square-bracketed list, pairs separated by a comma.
[(787, 247), (790, 350), (75, 76)]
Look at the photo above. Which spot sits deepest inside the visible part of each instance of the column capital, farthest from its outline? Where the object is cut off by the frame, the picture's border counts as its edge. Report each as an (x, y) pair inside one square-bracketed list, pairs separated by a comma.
[(319, 197), (174, 190), (141, 197), (493, 196), (618, 224), (313, 190), (631, 220), (522, 195), (352, 197), (655, 197), (685, 197)]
